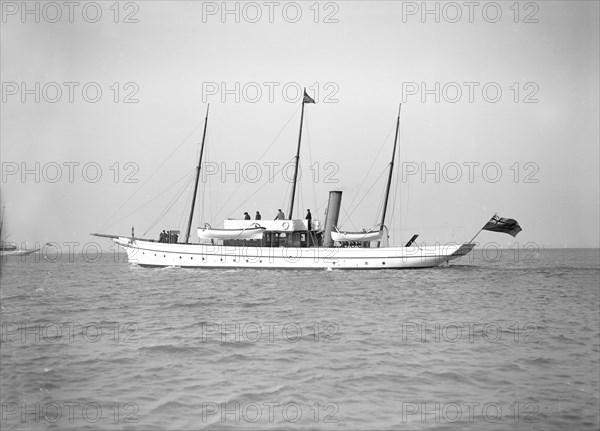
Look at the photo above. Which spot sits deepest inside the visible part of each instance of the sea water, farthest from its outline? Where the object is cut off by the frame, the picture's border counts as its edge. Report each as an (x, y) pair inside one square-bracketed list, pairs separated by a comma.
[(501, 340)]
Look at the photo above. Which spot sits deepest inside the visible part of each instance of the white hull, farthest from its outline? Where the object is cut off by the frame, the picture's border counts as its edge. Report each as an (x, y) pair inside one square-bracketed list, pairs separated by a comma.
[(148, 253)]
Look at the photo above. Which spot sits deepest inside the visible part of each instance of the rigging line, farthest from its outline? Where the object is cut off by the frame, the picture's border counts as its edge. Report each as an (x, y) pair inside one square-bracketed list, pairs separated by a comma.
[(407, 188), (288, 192), (231, 195), (203, 201), (318, 207), (171, 204), (206, 186), (258, 160), (310, 161), (380, 206), (200, 205), (371, 167), (370, 188), (150, 176), (277, 136), (300, 199), (154, 198), (302, 203), (348, 219), (249, 197), (184, 208), (207, 189), (397, 192)]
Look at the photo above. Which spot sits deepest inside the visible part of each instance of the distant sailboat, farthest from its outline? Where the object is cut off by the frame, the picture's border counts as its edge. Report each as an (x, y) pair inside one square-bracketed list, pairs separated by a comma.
[(10, 248)]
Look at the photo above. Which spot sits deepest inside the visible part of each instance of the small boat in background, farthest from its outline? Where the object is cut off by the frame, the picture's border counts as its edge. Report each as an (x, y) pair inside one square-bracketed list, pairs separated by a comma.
[(11, 248)]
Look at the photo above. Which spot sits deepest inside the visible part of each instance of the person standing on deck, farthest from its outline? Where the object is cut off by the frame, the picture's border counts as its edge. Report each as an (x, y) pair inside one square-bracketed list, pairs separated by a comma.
[(280, 215), (247, 216), (309, 218), (257, 216)]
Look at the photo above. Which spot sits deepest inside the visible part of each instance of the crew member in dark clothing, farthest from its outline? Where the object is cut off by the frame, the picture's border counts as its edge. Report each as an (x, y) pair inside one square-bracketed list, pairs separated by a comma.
[(309, 218), (247, 216), (257, 216)]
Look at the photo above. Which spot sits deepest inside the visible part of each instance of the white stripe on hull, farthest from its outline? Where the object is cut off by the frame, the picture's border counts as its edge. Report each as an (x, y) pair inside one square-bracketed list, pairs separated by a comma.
[(147, 253)]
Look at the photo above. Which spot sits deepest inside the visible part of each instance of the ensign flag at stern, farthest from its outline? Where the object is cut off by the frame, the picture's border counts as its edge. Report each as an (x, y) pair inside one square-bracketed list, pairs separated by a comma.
[(505, 225)]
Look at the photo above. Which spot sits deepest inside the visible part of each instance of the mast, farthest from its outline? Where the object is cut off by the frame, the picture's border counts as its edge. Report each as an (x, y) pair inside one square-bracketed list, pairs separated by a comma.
[(304, 100), (389, 181), (189, 226)]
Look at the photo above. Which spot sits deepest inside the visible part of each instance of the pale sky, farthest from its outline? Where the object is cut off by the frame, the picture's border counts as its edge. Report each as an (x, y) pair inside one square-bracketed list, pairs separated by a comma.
[(529, 152)]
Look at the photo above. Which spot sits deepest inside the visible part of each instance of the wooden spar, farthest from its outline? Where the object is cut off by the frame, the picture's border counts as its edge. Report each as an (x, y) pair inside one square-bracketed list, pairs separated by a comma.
[(479, 231), (290, 217), (473, 239), (189, 226), (104, 235), (389, 181)]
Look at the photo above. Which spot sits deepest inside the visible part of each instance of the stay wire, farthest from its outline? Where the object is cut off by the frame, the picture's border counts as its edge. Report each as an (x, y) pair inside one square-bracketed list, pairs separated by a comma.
[(369, 170), (257, 161), (249, 197), (370, 188), (171, 204), (310, 161), (151, 200), (150, 176)]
